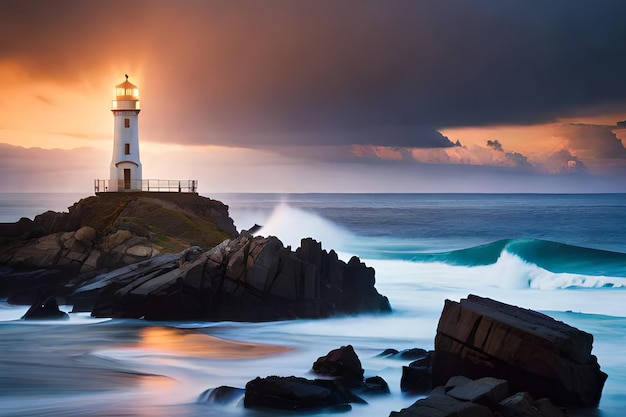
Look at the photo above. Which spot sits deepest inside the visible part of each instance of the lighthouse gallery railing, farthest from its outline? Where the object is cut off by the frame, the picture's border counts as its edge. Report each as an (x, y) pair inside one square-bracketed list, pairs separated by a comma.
[(166, 186)]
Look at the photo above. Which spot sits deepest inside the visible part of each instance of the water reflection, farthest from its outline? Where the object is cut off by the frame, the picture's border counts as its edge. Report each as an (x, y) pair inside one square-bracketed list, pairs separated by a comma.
[(190, 343)]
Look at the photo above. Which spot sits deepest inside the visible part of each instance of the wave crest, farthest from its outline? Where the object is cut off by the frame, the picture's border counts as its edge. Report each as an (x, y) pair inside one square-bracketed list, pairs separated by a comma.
[(552, 256), (512, 272), (291, 225)]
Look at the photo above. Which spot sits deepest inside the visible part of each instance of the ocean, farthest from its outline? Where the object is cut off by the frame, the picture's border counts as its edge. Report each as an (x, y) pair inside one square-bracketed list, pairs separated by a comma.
[(563, 255)]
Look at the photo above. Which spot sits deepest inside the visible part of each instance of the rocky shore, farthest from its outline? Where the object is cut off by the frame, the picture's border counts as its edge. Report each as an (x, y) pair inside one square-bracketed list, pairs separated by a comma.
[(175, 256), (54, 252), (179, 257), (508, 362)]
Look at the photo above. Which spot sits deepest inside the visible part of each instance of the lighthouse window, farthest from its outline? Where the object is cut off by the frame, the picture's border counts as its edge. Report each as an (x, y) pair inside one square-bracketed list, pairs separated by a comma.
[(126, 122), (127, 148)]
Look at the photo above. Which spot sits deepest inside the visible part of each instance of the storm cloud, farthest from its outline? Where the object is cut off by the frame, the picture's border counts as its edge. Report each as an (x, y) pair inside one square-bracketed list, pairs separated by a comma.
[(277, 72), (594, 141)]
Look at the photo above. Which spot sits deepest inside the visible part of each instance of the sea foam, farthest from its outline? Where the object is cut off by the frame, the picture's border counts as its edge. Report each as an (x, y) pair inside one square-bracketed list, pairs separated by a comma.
[(291, 224)]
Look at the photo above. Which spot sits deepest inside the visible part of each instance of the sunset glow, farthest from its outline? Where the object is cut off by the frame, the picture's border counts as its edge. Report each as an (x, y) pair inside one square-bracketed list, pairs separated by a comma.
[(262, 85), (169, 341)]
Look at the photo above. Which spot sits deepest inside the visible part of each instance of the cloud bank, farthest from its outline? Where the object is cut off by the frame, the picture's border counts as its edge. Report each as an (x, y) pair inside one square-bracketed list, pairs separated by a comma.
[(279, 72)]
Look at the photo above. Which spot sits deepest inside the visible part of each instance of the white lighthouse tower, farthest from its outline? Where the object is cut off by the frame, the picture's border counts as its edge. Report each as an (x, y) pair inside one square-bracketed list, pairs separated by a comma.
[(125, 164)]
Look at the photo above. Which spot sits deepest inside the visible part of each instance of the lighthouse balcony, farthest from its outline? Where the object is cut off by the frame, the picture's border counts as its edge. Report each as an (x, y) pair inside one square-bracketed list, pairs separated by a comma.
[(153, 186)]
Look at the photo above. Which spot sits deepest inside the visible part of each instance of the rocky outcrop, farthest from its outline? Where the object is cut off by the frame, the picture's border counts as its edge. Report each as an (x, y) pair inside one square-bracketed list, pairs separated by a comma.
[(105, 232), (484, 397), (480, 337), (245, 279)]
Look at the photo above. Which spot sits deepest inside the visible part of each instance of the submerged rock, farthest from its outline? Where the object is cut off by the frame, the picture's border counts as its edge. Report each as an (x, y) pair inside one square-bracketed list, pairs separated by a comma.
[(45, 309), (480, 337), (221, 395)]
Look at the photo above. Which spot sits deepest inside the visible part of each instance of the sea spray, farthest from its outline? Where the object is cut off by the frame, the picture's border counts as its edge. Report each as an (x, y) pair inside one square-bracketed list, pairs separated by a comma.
[(291, 224)]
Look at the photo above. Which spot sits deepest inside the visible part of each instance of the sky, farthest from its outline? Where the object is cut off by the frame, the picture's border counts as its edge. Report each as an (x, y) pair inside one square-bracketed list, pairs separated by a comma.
[(324, 96)]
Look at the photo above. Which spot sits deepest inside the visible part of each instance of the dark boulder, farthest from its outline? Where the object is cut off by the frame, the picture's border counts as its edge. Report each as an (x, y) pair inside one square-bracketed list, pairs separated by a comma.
[(46, 309), (375, 385), (342, 363), (480, 337), (294, 393)]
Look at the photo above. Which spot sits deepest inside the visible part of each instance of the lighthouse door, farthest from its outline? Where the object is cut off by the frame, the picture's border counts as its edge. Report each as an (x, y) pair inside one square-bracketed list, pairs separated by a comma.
[(127, 178)]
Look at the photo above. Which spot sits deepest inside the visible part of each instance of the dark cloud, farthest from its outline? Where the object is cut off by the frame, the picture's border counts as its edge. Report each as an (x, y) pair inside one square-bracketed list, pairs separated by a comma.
[(495, 145), (514, 158), (278, 71), (594, 141)]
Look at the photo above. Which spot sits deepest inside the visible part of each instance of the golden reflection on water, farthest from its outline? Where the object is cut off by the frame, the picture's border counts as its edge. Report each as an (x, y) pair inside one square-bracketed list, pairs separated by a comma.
[(190, 343)]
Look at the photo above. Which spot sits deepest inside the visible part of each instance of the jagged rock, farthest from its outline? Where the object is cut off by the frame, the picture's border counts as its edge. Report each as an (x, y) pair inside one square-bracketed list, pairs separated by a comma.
[(417, 376), (342, 362), (45, 309), (100, 289), (485, 391), (480, 337), (294, 393), (438, 404), (484, 397), (247, 278), (254, 229), (523, 405)]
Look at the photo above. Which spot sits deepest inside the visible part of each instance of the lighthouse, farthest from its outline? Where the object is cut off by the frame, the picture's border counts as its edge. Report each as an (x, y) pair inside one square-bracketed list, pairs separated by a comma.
[(125, 174), (125, 170)]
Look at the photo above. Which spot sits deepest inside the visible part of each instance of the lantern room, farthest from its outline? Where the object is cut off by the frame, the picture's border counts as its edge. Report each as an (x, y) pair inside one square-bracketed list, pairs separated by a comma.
[(126, 96)]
